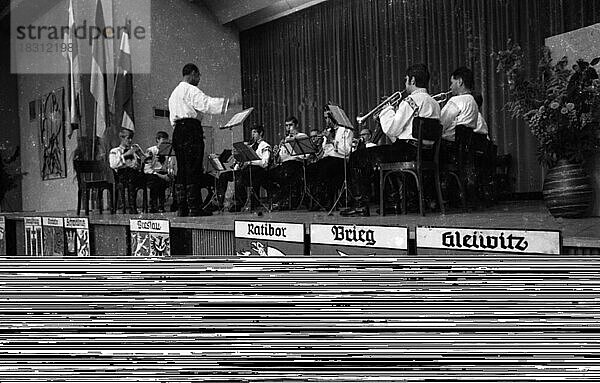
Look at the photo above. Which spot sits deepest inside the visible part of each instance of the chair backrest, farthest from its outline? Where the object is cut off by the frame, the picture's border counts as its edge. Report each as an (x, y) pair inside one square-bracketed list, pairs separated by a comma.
[(91, 170), (430, 130), (463, 138)]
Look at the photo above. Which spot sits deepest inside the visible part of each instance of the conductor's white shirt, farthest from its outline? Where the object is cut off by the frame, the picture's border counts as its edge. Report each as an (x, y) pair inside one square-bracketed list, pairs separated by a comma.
[(187, 100)]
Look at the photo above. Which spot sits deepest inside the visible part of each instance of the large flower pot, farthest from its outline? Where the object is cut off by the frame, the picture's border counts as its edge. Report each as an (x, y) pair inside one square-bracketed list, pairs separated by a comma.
[(567, 190)]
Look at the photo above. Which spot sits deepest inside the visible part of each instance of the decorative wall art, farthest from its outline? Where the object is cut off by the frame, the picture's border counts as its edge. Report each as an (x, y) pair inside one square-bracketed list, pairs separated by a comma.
[(52, 136)]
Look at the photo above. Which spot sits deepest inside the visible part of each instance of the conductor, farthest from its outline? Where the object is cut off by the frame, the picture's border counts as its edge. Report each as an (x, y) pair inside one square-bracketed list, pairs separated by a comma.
[(187, 105)]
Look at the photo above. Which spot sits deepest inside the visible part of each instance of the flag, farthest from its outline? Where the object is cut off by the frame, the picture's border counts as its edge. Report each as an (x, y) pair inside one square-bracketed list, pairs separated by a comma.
[(74, 93), (123, 90), (98, 73)]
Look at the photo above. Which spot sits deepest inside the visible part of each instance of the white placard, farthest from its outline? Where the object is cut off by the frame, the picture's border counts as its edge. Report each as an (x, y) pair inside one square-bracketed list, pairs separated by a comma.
[(32, 221), (274, 231), (383, 237), (53, 221), (149, 225), (489, 240), (2, 227), (76, 223)]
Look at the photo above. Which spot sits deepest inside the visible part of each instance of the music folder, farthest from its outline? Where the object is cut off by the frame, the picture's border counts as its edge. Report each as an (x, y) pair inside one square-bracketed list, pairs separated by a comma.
[(244, 153), (340, 117), (237, 119), (166, 149)]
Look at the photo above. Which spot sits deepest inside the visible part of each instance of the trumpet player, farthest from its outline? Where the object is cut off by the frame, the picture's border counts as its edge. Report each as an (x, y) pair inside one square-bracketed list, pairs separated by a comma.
[(287, 177), (126, 159), (462, 108), (397, 125)]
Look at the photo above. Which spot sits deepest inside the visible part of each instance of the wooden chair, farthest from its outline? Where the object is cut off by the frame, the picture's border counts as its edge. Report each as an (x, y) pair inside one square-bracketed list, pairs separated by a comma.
[(424, 129), (458, 161), (93, 175), (121, 190)]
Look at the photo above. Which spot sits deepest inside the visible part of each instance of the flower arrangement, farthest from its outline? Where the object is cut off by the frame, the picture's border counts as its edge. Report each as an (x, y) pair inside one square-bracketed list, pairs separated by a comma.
[(561, 105)]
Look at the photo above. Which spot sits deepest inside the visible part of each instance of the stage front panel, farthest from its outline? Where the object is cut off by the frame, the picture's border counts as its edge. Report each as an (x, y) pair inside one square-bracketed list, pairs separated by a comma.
[(268, 238), (463, 240), (338, 239)]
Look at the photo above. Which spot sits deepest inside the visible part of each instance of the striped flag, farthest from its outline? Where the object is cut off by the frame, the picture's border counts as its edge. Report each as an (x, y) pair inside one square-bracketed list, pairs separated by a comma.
[(72, 55), (123, 91), (98, 72)]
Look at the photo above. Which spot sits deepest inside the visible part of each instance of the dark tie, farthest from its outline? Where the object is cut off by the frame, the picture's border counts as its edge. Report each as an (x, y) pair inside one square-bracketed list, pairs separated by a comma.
[(255, 146)]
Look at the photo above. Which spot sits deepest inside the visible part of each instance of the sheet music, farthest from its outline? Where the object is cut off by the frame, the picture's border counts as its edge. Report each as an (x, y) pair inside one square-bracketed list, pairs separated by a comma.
[(238, 119), (340, 116)]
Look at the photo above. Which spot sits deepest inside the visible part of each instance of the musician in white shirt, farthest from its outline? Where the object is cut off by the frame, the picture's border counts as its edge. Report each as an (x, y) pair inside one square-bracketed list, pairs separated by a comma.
[(330, 168), (397, 125), (462, 108), (254, 173), (126, 159), (287, 177), (187, 105)]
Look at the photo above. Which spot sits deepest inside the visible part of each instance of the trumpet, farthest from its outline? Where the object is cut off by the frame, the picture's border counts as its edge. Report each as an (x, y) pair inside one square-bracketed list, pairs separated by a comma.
[(393, 100), (442, 97)]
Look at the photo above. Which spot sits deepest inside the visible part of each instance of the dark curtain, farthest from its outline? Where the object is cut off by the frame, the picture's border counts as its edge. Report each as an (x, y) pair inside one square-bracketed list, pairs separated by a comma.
[(353, 52)]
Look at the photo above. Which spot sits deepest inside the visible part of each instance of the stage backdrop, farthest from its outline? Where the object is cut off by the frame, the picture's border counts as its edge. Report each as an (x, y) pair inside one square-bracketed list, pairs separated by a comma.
[(355, 51)]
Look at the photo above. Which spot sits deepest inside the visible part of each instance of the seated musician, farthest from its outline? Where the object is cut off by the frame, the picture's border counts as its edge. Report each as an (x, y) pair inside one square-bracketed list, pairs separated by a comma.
[(287, 175), (329, 170), (462, 108), (127, 160), (254, 173), (397, 125), (157, 177)]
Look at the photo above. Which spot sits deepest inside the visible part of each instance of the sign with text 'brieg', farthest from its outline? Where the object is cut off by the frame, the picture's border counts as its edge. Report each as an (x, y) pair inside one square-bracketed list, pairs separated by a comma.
[(268, 238), (337, 239), (150, 238), (460, 240)]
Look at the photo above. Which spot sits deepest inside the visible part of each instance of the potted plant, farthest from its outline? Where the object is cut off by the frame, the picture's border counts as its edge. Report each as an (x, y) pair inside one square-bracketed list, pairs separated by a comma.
[(561, 106)]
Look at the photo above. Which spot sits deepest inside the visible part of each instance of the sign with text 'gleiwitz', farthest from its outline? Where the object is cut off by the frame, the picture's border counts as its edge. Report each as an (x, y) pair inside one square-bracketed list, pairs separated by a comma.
[(33, 236), (53, 229), (254, 238), (337, 239), (77, 237), (150, 238), (462, 240)]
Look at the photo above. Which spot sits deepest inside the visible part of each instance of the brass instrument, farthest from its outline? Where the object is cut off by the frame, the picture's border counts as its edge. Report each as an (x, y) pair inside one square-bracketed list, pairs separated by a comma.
[(442, 97), (393, 100)]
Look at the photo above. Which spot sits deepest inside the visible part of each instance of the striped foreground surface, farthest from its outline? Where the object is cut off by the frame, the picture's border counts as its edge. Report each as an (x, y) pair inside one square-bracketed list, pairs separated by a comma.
[(308, 319)]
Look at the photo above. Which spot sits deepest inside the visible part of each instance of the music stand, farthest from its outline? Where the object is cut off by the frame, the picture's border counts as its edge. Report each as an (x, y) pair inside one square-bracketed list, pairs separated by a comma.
[(166, 149), (340, 118), (304, 147), (219, 167), (237, 120), (244, 154)]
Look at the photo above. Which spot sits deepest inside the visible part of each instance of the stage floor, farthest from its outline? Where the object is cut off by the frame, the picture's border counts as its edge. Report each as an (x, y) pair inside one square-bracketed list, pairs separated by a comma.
[(583, 232)]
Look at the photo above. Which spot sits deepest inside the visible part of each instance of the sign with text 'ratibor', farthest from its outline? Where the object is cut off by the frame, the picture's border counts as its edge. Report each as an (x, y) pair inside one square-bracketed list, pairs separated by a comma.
[(253, 238), (458, 240), (337, 239)]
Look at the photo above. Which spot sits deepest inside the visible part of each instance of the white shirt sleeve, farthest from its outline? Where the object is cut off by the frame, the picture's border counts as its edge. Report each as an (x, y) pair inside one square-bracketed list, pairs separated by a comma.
[(206, 104), (449, 114), (264, 152), (344, 143), (394, 124), (115, 158)]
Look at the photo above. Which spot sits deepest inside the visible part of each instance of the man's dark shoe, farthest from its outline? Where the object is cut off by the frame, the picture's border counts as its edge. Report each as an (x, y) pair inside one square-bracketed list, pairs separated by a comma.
[(362, 211)]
